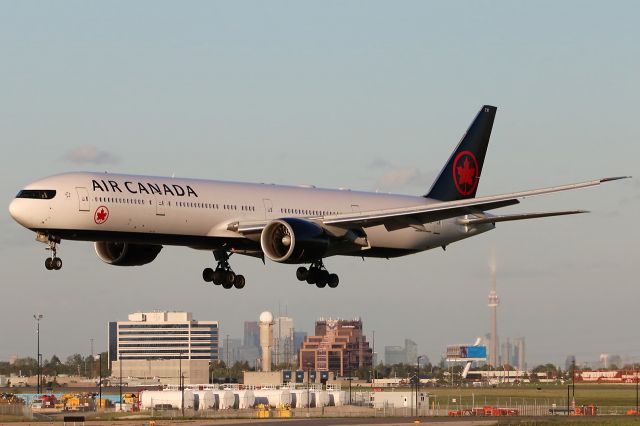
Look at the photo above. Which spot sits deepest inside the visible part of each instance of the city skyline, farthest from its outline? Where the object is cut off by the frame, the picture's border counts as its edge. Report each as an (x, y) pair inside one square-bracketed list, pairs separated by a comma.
[(361, 95)]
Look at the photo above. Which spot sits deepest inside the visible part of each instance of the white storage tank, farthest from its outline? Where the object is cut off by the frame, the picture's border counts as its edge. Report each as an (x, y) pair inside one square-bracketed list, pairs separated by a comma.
[(225, 399), (172, 398), (299, 398), (204, 400), (319, 398), (244, 399), (337, 398), (273, 397)]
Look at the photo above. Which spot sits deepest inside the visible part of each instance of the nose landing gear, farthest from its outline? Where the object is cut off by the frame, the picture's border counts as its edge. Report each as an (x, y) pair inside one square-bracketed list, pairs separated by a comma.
[(223, 274), (317, 274), (53, 263)]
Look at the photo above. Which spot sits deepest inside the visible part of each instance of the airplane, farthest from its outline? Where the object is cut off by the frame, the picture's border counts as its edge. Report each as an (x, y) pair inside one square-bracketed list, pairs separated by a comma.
[(130, 217)]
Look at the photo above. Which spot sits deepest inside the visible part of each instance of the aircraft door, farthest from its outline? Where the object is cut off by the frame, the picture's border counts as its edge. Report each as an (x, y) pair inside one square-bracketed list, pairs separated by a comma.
[(83, 199), (159, 206), (268, 208)]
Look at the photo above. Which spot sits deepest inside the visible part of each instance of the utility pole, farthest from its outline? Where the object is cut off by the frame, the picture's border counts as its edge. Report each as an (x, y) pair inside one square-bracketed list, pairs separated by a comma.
[(93, 360), (180, 386), (100, 380), (418, 386), (120, 364), (38, 317)]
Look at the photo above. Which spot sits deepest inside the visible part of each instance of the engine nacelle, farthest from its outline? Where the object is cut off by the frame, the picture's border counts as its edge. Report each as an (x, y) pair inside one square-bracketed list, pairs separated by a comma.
[(126, 254), (293, 240)]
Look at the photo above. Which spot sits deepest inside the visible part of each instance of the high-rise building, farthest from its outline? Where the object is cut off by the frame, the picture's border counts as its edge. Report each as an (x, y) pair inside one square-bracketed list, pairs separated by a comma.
[(519, 357), (401, 355), (160, 344), (251, 334), (298, 339), (411, 350), (395, 355), (283, 341), (338, 346)]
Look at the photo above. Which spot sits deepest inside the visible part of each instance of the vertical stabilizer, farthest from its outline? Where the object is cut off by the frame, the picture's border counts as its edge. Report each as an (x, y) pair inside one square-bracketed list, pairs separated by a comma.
[(460, 176)]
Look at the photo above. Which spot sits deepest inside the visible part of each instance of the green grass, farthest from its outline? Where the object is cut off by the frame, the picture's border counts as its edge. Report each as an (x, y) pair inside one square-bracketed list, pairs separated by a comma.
[(599, 395)]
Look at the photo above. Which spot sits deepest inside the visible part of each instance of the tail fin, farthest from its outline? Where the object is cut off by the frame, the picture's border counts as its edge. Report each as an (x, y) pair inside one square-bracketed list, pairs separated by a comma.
[(460, 176)]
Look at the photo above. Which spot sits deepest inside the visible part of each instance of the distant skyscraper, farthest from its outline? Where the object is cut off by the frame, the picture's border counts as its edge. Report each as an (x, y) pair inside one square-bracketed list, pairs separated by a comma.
[(411, 350), (571, 359), (283, 340), (402, 355), (494, 301), (298, 339), (394, 355), (251, 334), (518, 344)]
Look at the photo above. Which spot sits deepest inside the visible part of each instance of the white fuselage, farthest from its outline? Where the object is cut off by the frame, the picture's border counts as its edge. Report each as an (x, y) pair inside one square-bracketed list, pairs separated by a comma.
[(197, 213)]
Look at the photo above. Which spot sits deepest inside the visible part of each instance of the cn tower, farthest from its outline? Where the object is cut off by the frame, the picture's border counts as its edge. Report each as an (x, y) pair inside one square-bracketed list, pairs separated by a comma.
[(494, 301)]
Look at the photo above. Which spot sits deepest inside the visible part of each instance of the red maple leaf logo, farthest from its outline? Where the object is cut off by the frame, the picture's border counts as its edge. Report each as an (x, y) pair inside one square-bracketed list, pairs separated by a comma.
[(101, 215), (465, 170), (466, 173)]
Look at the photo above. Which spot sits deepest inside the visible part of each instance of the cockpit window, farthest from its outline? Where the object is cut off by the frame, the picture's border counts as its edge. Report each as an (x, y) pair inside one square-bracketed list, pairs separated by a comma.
[(43, 194)]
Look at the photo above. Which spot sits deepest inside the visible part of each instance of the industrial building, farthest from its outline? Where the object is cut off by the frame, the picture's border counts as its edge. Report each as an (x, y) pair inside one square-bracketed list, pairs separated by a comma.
[(337, 346), (158, 346)]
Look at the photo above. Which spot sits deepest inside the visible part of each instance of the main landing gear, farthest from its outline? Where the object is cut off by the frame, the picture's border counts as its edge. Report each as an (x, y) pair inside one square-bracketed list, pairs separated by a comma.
[(54, 262), (223, 274), (317, 274)]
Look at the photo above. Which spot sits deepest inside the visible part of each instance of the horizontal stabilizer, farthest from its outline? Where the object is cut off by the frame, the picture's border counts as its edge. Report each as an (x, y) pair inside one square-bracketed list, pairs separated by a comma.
[(506, 218)]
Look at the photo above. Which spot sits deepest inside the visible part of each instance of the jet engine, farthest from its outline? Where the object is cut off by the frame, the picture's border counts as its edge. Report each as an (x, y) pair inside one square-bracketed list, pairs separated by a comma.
[(126, 254), (292, 240)]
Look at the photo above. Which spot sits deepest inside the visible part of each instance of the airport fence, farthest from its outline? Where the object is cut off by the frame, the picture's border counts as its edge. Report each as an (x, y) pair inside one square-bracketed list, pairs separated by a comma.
[(15, 410)]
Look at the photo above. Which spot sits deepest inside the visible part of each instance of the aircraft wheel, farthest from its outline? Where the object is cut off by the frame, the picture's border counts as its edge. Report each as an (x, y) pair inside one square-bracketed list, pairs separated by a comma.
[(48, 263), (333, 280), (57, 263), (312, 276), (321, 284), (227, 285), (207, 274), (239, 282), (323, 277), (302, 273), (230, 277), (218, 277)]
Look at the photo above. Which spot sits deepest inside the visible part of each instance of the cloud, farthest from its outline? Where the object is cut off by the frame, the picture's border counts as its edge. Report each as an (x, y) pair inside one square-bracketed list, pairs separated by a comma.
[(379, 163), (91, 155), (402, 177)]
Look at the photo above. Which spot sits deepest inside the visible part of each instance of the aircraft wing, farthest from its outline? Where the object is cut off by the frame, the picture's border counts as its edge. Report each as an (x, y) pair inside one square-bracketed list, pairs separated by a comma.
[(407, 216), (416, 216)]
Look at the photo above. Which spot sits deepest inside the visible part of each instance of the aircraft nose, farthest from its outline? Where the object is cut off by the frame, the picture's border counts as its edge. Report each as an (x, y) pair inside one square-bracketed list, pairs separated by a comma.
[(16, 211)]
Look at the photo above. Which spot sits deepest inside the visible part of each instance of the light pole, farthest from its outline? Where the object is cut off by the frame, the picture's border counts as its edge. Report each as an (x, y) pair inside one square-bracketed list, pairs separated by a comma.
[(637, 412), (308, 389), (120, 364), (348, 351), (38, 317), (100, 379), (180, 384), (418, 386)]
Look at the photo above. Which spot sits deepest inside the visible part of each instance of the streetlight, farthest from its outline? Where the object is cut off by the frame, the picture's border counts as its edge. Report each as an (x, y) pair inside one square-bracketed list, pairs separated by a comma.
[(418, 386), (38, 317), (308, 388), (100, 379), (120, 364), (348, 351), (180, 384)]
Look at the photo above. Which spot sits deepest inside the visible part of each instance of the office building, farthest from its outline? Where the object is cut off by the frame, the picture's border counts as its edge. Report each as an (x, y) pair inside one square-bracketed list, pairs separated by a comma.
[(337, 346), (158, 345)]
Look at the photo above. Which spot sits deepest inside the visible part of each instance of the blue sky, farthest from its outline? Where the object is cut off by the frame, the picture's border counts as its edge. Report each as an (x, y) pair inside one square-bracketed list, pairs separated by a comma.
[(366, 95)]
